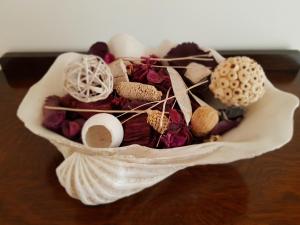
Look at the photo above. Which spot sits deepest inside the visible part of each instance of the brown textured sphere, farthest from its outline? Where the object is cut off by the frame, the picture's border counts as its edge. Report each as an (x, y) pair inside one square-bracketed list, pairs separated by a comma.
[(204, 119)]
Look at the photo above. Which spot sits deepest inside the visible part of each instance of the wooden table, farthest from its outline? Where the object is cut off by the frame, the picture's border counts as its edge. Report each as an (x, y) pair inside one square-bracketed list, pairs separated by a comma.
[(260, 191)]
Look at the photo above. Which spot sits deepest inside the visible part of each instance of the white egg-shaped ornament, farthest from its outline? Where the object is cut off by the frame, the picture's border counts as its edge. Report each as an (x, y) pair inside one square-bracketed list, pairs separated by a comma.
[(102, 131), (123, 45)]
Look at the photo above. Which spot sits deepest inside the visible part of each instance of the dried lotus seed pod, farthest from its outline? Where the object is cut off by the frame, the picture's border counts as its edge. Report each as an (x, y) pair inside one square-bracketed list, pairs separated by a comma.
[(238, 81), (204, 119)]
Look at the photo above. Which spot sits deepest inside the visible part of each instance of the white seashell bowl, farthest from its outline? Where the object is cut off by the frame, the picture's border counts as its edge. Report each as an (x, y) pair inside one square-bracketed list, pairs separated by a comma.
[(99, 176)]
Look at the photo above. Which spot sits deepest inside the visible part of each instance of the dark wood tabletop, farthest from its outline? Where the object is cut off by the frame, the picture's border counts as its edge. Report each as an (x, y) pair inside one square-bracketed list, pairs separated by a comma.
[(261, 191)]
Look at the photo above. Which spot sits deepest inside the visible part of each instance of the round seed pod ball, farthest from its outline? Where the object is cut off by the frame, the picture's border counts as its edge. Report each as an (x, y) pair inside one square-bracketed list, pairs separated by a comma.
[(238, 81), (204, 119)]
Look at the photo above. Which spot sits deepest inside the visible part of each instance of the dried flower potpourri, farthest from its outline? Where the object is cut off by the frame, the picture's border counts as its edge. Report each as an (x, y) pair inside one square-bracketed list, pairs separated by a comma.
[(152, 98)]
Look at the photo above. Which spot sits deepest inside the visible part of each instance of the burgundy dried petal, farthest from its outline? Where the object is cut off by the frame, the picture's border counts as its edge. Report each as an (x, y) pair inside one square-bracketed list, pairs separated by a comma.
[(108, 58), (138, 131), (179, 140), (178, 133), (224, 126), (99, 49), (154, 77), (119, 102), (131, 104), (171, 140), (147, 74), (68, 101), (139, 74), (71, 129), (53, 119), (175, 117), (101, 104), (169, 105), (188, 49)]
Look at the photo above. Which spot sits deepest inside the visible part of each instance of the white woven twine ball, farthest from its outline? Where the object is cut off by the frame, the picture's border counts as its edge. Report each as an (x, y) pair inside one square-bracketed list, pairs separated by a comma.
[(238, 81), (89, 79)]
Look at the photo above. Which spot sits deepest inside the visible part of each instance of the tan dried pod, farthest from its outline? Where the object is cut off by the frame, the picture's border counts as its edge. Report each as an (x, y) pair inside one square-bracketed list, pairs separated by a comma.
[(154, 120), (204, 119), (138, 91)]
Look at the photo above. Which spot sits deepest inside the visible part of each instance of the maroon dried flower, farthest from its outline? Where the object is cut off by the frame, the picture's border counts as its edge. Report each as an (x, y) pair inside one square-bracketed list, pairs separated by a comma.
[(71, 129), (108, 58), (53, 119), (154, 77), (188, 49), (69, 101), (178, 133), (139, 73), (138, 131), (99, 49), (119, 102), (145, 73)]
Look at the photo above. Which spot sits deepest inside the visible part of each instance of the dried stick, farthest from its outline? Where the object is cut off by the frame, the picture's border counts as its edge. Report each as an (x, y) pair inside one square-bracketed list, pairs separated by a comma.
[(93, 110), (168, 59)]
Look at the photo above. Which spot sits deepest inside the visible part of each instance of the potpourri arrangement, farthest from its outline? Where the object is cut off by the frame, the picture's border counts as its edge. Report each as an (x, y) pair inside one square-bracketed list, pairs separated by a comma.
[(186, 97)]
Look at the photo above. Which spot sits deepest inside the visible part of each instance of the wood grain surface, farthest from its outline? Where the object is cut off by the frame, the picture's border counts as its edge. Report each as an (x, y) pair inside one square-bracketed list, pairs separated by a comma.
[(259, 191)]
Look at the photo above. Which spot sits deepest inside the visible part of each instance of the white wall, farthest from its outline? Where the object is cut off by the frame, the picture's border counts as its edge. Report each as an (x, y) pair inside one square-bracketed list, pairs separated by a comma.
[(42, 25)]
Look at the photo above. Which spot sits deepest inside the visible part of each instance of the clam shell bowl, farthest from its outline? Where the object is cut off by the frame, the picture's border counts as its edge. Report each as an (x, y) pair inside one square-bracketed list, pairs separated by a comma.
[(100, 176)]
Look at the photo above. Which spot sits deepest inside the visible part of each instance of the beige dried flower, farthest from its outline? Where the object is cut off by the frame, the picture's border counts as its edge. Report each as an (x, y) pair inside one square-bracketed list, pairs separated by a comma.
[(154, 120), (138, 91), (238, 81), (196, 72), (119, 71)]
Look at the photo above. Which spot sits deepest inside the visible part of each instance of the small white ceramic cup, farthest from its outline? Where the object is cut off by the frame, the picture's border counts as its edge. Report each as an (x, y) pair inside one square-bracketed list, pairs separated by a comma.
[(102, 131)]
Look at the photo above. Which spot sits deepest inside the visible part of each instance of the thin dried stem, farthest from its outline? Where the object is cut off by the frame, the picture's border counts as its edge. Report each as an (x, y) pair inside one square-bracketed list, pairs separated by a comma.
[(151, 107), (158, 140), (196, 85), (176, 67), (93, 110), (192, 57), (164, 109), (147, 103)]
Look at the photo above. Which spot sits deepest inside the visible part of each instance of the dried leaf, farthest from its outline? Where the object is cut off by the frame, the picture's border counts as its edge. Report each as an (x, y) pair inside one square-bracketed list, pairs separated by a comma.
[(182, 97)]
